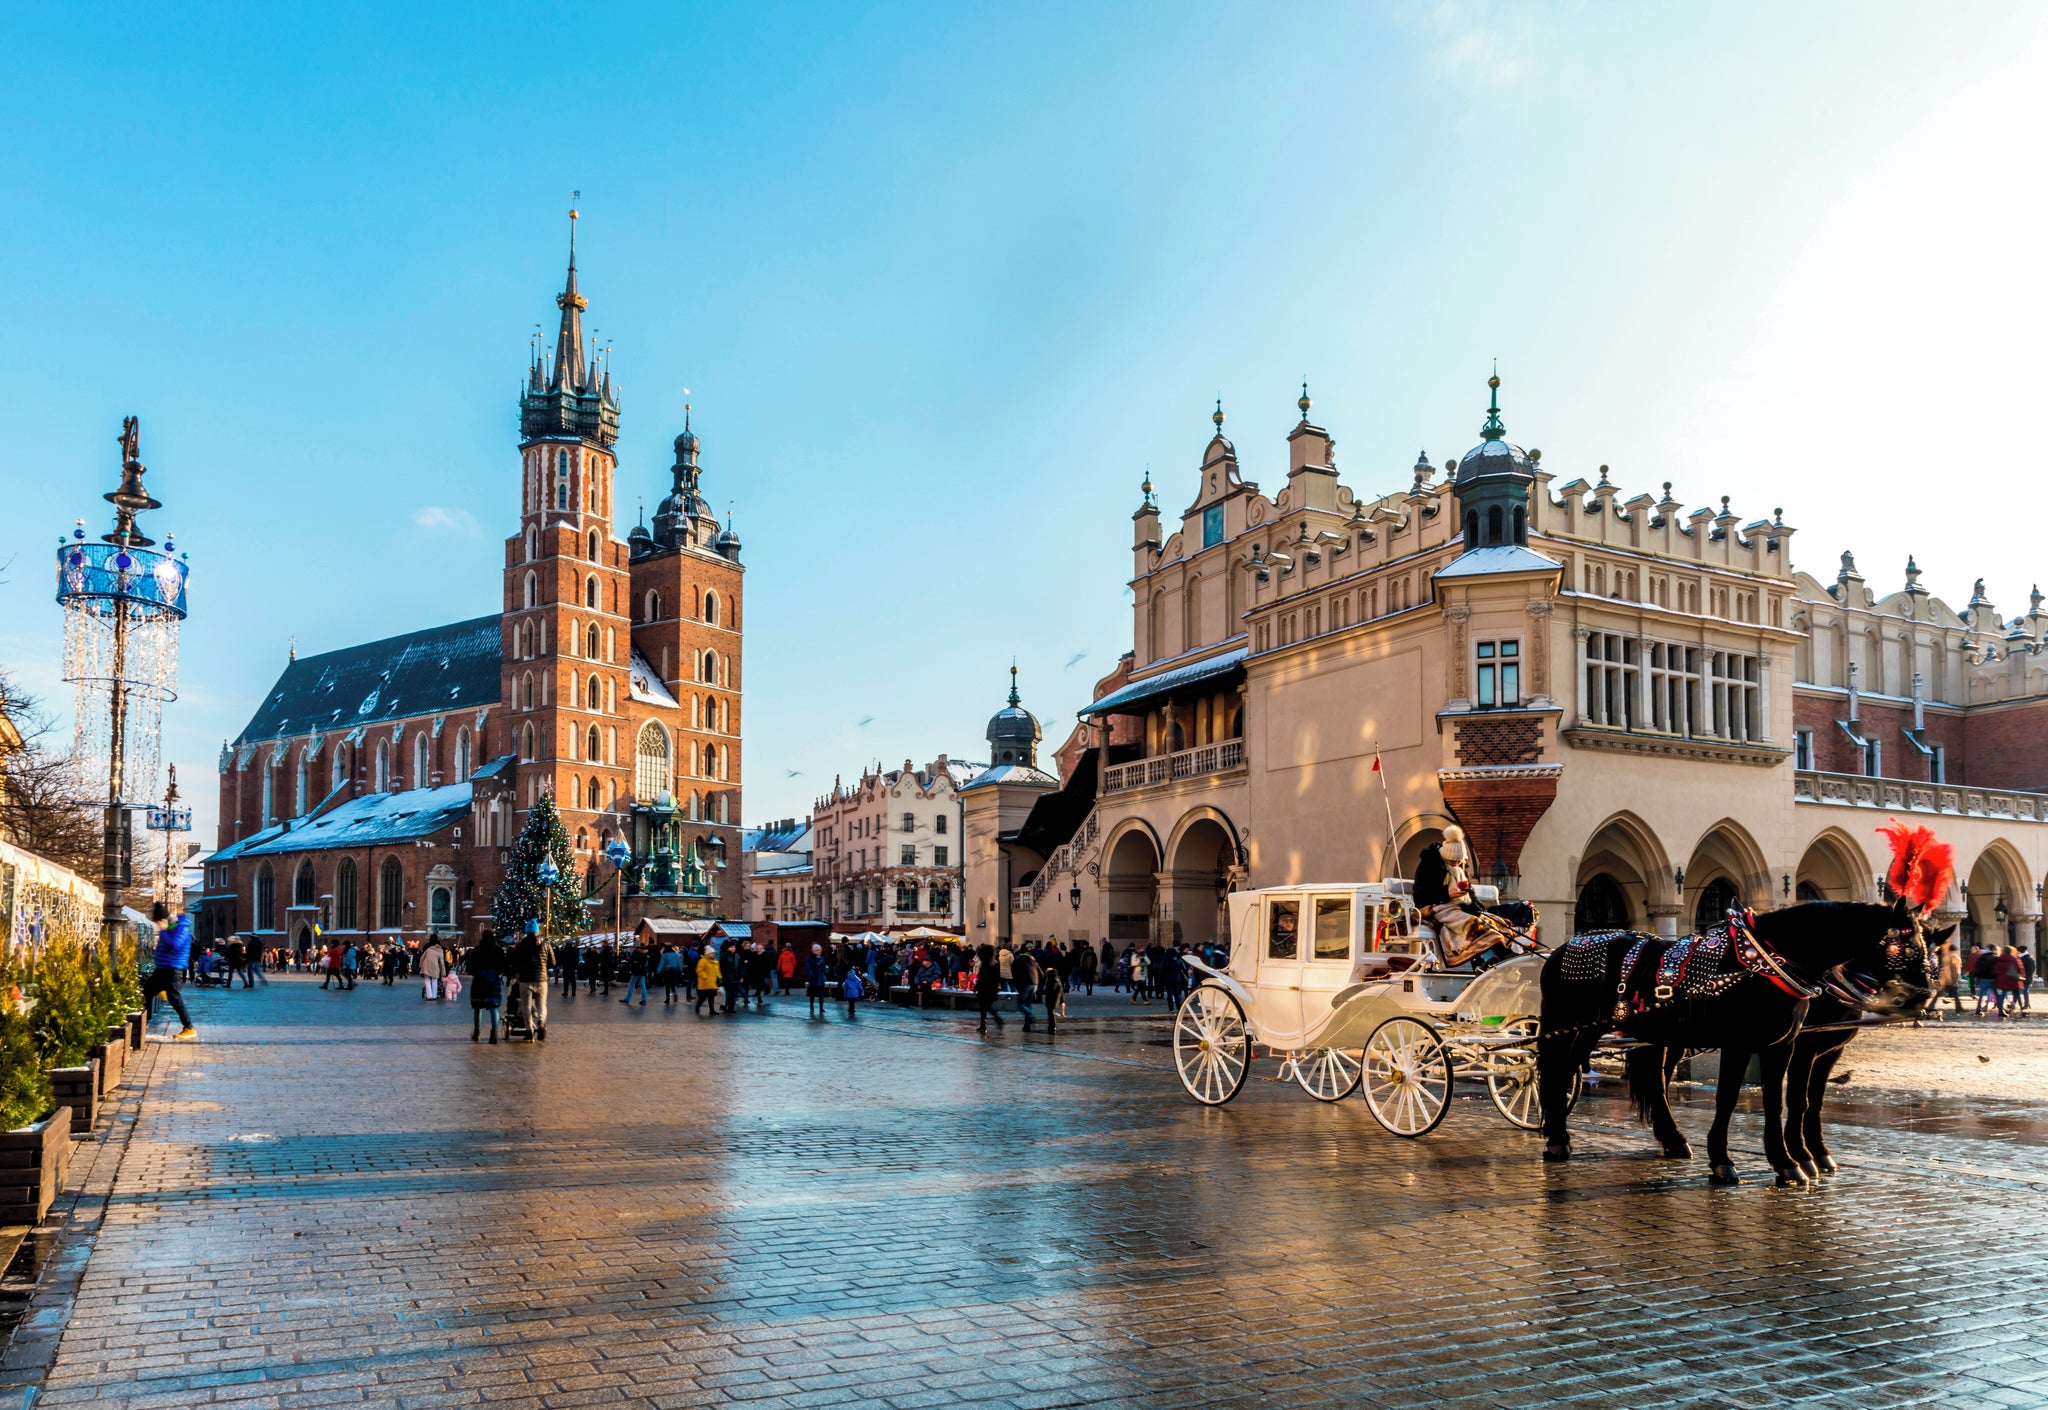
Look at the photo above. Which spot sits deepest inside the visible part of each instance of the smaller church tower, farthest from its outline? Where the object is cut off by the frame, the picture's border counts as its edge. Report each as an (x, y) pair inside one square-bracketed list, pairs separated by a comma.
[(1013, 732), (1493, 484)]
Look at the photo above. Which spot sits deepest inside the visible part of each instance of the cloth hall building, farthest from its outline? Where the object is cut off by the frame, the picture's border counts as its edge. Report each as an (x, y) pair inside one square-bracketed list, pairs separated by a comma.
[(1641, 713), (376, 787)]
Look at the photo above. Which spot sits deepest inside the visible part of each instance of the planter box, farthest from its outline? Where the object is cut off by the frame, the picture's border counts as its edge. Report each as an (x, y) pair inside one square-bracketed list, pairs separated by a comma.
[(33, 1164), (111, 1058), (78, 1088), (118, 1033), (138, 1026)]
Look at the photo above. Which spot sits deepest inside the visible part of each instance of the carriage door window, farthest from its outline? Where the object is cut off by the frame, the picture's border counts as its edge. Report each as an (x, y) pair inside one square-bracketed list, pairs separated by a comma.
[(1283, 930), (1332, 939)]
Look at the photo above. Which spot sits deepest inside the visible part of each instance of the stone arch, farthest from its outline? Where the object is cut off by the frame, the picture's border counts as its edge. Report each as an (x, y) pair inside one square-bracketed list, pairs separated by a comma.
[(1998, 877), (1202, 852), (1131, 861), (1834, 867), (1725, 853), (1623, 867), (1398, 857)]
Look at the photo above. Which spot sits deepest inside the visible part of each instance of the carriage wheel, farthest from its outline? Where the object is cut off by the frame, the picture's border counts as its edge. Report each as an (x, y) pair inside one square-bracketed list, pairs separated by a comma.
[(1407, 1076), (1327, 1074), (1515, 1092), (1210, 1047), (1511, 1076)]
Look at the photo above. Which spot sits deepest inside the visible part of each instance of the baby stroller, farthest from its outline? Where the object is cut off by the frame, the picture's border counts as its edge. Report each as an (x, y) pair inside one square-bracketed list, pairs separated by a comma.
[(517, 1024)]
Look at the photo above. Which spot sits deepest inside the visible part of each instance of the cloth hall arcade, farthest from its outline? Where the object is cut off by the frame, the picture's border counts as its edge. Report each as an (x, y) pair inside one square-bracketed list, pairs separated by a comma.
[(1640, 713), (375, 788)]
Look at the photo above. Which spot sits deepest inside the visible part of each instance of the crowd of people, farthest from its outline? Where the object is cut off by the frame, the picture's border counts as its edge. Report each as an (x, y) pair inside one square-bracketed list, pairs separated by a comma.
[(2000, 979), (713, 975)]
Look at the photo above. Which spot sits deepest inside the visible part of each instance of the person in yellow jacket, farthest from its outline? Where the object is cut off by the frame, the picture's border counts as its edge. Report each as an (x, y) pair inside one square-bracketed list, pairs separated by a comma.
[(707, 980)]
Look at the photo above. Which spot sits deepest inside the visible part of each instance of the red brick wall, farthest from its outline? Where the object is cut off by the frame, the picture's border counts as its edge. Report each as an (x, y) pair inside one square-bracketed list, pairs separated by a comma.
[(1498, 814), (2009, 745), (1834, 753)]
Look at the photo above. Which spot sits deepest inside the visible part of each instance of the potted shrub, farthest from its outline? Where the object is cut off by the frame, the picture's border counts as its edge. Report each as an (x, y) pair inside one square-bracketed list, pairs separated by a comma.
[(35, 1139), (65, 1025)]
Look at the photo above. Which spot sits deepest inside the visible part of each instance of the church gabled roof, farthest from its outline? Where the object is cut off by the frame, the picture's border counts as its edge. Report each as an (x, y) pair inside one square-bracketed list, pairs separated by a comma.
[(445, 668)]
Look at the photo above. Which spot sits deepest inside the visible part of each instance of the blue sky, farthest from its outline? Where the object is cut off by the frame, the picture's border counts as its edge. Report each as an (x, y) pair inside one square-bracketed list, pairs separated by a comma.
[(943, 281)]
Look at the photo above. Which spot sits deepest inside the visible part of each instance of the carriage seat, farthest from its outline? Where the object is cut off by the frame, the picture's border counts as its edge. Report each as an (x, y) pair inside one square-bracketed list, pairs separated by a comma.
[(1486, 895), (1399, 887)]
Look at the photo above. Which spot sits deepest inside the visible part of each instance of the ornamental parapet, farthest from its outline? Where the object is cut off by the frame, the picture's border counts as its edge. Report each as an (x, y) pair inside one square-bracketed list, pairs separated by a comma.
[(1221, 758), (1905, 795)]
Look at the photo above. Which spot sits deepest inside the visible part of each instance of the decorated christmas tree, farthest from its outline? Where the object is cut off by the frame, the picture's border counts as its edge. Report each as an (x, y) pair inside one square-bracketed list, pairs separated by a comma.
[(523, 897)]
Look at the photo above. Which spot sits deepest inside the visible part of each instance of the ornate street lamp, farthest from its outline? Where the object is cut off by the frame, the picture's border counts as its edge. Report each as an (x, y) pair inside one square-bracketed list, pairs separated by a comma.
[(123, 600), (1074, 894)]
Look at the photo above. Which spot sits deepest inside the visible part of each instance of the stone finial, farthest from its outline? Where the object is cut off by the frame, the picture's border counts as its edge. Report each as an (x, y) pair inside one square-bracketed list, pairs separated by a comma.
[(1304, 403), (1913, 577), (2034, 601)]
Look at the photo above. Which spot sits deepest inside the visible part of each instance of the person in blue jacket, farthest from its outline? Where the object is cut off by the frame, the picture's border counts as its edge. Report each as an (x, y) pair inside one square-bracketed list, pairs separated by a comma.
[(173, 950)]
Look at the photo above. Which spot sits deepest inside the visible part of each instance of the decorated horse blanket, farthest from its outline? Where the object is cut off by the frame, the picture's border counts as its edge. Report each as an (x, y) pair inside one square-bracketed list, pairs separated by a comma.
[(1647, 971)]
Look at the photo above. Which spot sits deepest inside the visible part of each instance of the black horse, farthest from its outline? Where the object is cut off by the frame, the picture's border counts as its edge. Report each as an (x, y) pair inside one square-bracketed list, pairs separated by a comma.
[(1743, 988)]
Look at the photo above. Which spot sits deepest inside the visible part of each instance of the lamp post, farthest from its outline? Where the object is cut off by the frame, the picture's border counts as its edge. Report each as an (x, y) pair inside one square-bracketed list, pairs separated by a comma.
[(618, 854), (123, 599), (549, 874)]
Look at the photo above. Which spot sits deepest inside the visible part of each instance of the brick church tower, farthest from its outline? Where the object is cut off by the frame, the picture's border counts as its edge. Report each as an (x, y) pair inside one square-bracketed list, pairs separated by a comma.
[(621, 659)]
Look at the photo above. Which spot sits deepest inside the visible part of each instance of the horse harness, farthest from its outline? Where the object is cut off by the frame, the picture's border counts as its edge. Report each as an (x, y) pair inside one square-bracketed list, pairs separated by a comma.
[(1697, 967)]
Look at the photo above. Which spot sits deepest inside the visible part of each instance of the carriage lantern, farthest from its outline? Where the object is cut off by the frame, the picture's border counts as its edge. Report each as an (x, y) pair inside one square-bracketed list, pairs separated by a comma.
[(1074, 895), (123, 599)]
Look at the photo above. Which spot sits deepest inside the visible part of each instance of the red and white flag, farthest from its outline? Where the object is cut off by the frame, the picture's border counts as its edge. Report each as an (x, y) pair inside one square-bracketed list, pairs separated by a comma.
[(1375, 761)]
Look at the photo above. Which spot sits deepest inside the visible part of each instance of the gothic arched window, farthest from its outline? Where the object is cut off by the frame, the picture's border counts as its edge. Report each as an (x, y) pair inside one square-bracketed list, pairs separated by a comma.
[(337, 769), (650, 762), (593, 693), (710, 669), (390, 895), (526, 744), (575, 792), (593, 532), (561, 479), (532, 588), (593, 746), (299, 789), (653, 607), (711, 608), (303, 885), (266, 898), (462, 755), (711, 761), (422, 761), (382, 777), (345, 894), (590, 643), (590, 592)]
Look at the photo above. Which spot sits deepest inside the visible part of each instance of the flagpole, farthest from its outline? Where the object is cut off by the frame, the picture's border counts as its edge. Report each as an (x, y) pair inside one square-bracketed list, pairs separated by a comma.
[(1388, 798)]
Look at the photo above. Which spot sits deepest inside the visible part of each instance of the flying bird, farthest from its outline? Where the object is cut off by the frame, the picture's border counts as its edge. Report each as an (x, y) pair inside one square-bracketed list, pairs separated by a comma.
[(792, 773), (864, 721), (1074, 660)]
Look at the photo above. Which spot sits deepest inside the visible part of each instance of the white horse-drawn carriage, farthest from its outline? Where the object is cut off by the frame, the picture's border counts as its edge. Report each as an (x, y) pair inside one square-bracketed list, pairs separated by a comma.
[(1349, 987)]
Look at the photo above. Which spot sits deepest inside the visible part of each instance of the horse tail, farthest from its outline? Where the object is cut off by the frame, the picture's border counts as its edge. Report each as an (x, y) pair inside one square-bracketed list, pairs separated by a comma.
[(1645, 1080)]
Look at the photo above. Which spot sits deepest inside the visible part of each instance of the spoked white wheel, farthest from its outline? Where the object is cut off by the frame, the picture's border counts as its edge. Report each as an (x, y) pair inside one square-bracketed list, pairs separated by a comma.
[(1327, 1074), (1511, 1076), (1407, 1077), (1211, 1049)]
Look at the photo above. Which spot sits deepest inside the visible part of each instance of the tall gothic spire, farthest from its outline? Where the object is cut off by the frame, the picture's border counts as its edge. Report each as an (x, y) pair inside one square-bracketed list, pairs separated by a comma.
[(569, 340), (576, 396)]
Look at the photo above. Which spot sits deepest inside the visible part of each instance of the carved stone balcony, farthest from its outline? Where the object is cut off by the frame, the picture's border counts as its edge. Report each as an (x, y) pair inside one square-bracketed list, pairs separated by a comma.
[(1900, 795)]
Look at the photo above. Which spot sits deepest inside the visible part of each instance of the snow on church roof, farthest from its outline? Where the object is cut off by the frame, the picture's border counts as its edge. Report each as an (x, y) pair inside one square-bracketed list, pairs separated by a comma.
[(444, 668), (643, 684)]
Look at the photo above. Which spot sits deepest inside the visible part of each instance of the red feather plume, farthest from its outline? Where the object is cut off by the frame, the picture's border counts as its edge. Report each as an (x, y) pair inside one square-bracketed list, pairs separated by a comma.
[(1922, 867)]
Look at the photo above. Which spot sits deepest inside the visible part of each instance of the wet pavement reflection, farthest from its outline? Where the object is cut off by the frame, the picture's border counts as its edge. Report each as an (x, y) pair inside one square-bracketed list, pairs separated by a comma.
[(339, 1199)]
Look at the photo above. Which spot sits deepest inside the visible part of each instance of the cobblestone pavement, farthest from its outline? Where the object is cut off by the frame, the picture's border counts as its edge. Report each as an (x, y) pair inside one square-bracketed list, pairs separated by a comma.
[(337, 1199)]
